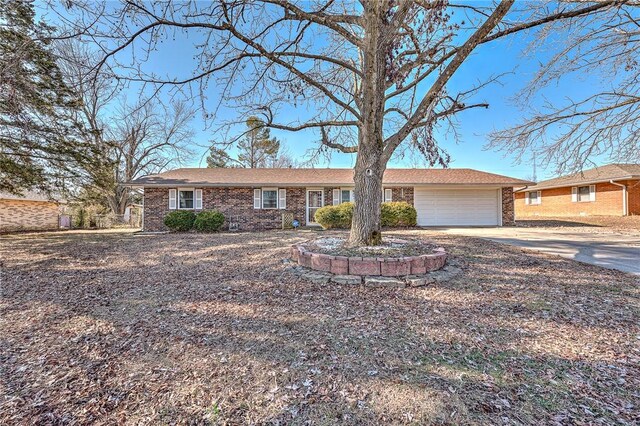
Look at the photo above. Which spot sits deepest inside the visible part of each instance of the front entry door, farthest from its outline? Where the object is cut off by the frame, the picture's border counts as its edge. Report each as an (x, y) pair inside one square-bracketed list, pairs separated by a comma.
[(314, 202)]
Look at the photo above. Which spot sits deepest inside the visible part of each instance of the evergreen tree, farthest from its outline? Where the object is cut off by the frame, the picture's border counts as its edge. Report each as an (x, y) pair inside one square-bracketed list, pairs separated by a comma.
[(257, 147), (38, 144), (218, 158)]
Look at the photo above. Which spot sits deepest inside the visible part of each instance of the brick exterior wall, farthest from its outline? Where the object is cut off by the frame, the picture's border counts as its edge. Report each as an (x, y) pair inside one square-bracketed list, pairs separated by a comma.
[(633, 189), (557, 202), (402, 194), (24, 215), (237, 206), (235, 203), (508, 214)]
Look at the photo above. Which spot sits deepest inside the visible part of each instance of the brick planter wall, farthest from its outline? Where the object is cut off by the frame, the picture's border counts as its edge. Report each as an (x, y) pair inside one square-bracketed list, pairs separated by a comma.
[(369, 266)]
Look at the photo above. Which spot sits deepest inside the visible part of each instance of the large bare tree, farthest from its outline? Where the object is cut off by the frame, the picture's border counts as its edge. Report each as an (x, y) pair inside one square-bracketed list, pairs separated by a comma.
[(602, 122), (374, 74)]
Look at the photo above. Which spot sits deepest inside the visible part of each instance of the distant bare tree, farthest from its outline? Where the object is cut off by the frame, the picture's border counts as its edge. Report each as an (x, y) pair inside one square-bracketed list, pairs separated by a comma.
[(148, 139), (569, 134), (133, 140), (374, 73)]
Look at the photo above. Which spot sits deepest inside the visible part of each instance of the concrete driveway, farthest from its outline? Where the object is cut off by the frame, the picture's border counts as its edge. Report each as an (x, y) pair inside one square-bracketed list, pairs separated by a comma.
[(606, 249)]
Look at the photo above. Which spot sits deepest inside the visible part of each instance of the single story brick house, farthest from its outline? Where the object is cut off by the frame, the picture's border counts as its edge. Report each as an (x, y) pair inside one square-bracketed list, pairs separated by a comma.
[(31, 211), (254, 199), (611, 190)]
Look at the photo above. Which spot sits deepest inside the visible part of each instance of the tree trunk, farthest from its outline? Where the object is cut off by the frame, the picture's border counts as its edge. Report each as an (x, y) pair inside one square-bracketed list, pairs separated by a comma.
[(370, 166), (366, 224)]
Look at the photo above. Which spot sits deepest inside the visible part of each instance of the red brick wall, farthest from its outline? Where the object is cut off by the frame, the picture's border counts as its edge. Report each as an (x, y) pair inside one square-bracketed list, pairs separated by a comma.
[(508, 216), (633, 188), (402, 194), (237, 206), (557, 202), (235, 203)]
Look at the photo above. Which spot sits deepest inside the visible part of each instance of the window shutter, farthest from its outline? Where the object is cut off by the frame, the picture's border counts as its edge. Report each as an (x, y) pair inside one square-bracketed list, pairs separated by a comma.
[(172, 199), (388, 195), (282, 195), (527, 199), (574, 194), (257, 198), (336, 197), (592, 192), (352, 197), (198, 199), (539, 201)]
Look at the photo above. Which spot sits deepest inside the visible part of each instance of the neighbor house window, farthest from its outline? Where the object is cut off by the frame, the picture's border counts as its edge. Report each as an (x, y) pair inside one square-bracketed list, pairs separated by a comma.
[(584, 194), (270, 198), (534, 197), (185, 198)]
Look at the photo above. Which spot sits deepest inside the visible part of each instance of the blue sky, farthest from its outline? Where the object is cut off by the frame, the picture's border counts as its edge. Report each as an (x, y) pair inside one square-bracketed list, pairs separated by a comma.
[(502, 56)]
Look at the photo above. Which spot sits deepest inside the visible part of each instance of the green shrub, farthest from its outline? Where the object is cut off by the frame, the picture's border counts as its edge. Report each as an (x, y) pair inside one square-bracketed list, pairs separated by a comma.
[(208, 221), (394, 214), (330, 217), (398, 213), (180, 220)]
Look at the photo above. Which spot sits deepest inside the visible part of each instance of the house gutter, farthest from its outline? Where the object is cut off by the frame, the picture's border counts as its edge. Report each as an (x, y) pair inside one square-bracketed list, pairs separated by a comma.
[(625, 207)]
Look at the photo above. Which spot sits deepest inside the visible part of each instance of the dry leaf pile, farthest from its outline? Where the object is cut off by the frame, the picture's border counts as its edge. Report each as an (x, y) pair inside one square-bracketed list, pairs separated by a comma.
[(217, 329)]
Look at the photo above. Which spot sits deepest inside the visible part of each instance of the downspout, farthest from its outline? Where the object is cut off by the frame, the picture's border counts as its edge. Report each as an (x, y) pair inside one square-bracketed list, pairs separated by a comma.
[(625, 207)]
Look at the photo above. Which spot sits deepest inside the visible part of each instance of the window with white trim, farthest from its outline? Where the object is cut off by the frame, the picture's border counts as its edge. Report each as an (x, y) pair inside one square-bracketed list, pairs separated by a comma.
[(269, 198), (387, 195), (534, 197), (584, 193), (185, 199), (346, 195)]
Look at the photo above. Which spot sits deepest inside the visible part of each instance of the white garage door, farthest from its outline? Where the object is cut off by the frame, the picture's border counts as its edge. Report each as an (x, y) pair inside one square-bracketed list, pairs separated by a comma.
[(456, 207)]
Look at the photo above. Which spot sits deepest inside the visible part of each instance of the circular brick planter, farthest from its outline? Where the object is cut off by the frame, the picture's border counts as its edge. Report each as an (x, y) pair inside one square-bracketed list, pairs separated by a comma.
[(369, 266)]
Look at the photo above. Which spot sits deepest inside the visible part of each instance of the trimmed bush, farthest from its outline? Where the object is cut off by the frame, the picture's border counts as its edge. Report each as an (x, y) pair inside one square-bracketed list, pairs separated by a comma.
[(394, 214), (398, 213), (208, 221), (180, 220), (332, 217)]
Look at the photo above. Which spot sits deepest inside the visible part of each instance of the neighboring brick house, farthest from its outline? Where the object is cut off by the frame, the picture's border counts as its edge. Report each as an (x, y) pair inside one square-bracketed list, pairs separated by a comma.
[(31, 211), (255, 199), (612, 190)]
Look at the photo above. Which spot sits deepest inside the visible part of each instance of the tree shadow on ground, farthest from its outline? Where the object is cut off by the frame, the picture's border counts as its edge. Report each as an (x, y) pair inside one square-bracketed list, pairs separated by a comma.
[(197, 329)]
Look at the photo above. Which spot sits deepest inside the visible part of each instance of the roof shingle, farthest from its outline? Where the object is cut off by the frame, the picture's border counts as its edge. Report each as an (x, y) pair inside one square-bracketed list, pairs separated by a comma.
[(597, 174), (308, 177)]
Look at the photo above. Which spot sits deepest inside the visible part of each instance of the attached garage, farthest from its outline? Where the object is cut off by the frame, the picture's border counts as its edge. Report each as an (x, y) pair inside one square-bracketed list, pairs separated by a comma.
[(458, 207)]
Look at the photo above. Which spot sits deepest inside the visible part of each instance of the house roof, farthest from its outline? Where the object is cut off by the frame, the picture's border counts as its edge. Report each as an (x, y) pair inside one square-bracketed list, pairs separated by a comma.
[(32, 196), (309, 177), (597, 174)]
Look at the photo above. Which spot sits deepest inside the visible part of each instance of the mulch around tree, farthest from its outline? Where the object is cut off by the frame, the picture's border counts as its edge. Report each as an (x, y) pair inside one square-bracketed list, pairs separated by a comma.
[(217, 329)]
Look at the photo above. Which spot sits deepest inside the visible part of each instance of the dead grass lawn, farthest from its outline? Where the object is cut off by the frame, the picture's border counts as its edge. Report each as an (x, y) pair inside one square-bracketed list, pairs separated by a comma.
[(620, 224), (198, 329)]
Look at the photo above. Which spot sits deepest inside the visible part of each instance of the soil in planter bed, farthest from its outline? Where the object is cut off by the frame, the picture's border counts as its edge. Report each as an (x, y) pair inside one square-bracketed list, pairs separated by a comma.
[(390, 247)]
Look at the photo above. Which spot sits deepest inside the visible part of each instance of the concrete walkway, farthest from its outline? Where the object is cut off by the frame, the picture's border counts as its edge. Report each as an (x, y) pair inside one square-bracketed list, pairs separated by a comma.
[(606, 249)]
